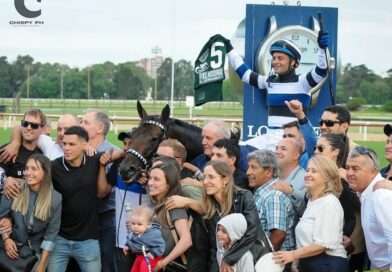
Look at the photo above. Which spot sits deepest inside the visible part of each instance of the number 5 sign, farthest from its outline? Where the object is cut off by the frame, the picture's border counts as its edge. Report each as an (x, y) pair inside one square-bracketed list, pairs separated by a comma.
[(209, 71)]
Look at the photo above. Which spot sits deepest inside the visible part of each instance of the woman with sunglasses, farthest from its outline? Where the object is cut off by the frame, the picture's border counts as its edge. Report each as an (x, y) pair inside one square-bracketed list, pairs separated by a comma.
[(36, 214), (336, 148), (319, 233)]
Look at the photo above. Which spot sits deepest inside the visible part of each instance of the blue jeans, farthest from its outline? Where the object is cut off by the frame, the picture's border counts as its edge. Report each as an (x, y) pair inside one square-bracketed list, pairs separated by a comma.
[(107, 232), (323, 263), (86, 253)]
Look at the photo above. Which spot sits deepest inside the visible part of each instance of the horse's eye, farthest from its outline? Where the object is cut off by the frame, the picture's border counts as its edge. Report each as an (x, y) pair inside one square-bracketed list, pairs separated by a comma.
[(154, 139)]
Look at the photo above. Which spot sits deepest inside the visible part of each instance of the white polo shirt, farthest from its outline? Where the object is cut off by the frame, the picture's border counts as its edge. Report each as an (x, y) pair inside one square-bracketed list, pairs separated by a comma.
[(49, 147), (322, 224), (376, 219)]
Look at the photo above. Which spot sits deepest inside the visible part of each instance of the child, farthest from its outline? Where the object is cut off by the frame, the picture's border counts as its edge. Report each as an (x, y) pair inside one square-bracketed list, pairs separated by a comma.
[(145, 239), (229, 230)]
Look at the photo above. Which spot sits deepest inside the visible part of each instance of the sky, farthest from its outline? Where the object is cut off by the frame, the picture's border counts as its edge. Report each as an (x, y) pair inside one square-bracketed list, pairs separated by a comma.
[(84, 32)]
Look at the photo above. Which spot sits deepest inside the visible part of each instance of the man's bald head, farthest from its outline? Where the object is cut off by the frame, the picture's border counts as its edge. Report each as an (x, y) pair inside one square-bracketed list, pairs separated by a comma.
[(288, 152), (65, 121)]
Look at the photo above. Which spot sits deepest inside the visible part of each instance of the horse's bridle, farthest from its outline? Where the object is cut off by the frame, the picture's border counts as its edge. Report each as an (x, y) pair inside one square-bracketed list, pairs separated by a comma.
[(137, 154)]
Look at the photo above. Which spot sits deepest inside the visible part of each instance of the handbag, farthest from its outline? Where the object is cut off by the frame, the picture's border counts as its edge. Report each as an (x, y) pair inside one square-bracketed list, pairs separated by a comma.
[(265, 262), (25, 262), (175, 266)]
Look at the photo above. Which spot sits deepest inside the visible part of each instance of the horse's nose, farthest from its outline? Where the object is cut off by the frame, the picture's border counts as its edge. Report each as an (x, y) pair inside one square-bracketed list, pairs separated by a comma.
[(125, 173)]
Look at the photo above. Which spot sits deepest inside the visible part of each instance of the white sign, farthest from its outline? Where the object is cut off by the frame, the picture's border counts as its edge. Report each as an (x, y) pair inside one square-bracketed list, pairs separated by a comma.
[(190, 101)]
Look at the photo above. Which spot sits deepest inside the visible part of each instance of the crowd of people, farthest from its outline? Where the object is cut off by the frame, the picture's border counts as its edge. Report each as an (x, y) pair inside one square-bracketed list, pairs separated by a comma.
[(315, 203), (305, 204)]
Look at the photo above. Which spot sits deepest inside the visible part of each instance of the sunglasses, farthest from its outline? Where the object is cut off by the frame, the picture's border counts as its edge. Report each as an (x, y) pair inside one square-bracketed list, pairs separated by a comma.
[(25, 124), (328, 123), (361, 150)]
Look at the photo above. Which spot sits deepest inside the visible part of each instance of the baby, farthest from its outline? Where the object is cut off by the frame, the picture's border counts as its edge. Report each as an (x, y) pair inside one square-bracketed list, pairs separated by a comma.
[(145, 239), (230, 229)]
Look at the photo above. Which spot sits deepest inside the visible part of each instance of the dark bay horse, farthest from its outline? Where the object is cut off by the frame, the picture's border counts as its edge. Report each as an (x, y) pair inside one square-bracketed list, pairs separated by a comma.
[(146, 138)]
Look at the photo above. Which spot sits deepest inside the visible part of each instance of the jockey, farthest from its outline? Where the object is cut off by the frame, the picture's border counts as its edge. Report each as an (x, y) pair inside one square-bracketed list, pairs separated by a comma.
[(283, 84)]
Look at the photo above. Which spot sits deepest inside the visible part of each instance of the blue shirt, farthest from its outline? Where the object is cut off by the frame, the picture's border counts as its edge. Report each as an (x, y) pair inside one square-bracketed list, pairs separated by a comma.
[(276, 212), (297, 197)]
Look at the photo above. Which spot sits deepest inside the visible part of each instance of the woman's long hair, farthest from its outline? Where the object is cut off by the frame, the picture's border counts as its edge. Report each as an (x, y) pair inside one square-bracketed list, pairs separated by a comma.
[(341, 143), (171, 171), (211, 205), (43, 204), (330, 172)]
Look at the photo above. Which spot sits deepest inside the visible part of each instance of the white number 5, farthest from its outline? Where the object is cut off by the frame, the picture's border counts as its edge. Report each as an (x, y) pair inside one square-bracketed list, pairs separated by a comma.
[(214, 64)]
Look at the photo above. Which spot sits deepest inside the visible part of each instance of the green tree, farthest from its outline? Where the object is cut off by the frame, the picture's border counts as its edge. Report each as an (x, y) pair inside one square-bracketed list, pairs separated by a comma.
[(45, 83), (126, 83), (351, 78), (5, 78), (376, 92), (183, 79), (164, 80), (75, 84), (18, 75), (102, 80), (228, 91)]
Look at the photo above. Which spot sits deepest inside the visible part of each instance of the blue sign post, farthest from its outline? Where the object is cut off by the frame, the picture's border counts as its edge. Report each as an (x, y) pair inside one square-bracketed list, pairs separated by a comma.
[(268, 23)]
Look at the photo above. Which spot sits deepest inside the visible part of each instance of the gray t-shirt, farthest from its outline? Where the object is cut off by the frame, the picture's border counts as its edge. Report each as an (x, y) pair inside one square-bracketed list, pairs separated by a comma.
[(175, 214)]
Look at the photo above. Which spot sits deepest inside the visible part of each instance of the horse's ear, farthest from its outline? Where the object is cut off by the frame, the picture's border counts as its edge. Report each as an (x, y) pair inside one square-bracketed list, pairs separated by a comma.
[(165, 114), (142, 112)]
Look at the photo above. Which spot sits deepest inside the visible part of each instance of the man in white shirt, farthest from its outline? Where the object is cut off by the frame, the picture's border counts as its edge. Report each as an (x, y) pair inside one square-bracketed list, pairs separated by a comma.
[(362, 176)]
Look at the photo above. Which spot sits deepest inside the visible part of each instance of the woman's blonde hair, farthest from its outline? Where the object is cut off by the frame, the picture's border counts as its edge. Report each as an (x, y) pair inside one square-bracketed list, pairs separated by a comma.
[(43, 204), (330, 172), (211, 205)]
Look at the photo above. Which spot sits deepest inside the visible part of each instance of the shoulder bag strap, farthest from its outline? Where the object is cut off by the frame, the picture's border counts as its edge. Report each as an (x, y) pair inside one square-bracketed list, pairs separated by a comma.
[(175, 235)]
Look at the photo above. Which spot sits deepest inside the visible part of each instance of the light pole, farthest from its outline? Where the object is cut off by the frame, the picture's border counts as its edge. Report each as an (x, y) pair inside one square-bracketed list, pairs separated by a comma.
[(88, 83), (28, 81), (156, 51), (172, 66), (61, 83)]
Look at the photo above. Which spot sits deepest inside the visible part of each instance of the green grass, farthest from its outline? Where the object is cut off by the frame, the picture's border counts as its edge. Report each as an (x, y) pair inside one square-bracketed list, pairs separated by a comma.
[(378, 147), (125, 107)]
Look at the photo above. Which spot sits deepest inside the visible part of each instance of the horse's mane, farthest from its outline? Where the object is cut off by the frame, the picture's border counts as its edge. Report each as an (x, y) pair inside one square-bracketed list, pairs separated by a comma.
[(188, 134), (182, 126)]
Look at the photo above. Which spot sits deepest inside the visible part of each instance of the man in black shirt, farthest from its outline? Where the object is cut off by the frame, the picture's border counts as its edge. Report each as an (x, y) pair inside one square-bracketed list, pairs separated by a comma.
[(81, 180), (228, 150), (31, 127)]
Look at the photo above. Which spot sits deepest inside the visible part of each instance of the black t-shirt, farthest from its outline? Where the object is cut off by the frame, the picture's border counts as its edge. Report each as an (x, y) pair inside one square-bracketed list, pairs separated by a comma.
[(16, 169), (78, 186)]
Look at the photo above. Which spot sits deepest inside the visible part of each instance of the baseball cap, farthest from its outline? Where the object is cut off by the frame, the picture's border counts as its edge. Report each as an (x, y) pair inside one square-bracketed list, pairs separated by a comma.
[(124, 135)]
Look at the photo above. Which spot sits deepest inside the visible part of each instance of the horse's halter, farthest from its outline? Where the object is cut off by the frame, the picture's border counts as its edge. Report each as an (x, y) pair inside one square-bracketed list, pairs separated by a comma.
[(139, 156)]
